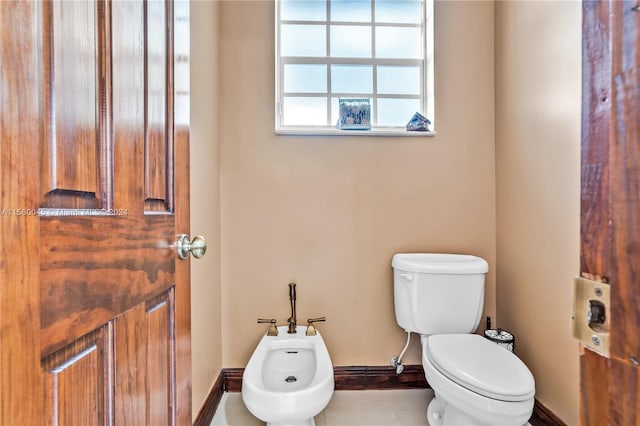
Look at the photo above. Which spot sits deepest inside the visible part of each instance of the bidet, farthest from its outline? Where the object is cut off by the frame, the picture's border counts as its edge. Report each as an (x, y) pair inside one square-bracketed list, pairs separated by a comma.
[(288, 379)]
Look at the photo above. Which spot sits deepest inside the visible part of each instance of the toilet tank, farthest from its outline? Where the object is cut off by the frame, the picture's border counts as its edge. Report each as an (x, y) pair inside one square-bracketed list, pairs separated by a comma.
[(438, 293)]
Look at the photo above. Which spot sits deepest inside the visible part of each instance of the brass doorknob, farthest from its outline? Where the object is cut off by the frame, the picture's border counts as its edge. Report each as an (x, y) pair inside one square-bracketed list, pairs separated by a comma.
[(197, 247)]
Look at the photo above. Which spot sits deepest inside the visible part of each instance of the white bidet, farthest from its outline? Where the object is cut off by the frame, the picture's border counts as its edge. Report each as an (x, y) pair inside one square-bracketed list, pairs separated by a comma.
[(289, 378)]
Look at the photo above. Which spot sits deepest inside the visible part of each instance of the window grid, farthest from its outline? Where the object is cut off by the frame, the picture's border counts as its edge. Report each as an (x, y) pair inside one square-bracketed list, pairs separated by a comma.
[(328, 51), (372, 61), (374, 100)]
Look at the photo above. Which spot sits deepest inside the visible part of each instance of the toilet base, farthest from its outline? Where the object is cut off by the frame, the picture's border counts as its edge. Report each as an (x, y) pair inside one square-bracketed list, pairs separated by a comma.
[(310, 422), (439, 413)]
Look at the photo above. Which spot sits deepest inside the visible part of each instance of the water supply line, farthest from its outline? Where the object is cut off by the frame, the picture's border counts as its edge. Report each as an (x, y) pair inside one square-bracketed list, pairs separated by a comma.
[(396, 361)]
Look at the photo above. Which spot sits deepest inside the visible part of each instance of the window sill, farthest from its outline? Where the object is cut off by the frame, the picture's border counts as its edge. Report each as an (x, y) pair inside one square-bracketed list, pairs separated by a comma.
[(332, 131)]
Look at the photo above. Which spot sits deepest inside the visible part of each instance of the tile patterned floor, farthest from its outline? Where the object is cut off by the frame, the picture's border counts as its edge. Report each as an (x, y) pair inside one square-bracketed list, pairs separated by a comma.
[(346, 408)]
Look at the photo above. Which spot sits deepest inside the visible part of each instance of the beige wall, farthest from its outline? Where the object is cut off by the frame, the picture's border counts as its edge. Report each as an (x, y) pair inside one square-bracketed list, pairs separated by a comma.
[(205, 200), (538, 82), (329, 212)]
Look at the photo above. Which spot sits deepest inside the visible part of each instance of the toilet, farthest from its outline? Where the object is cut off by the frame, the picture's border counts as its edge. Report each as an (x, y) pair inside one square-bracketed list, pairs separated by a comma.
[(475, 381), (289, 378)]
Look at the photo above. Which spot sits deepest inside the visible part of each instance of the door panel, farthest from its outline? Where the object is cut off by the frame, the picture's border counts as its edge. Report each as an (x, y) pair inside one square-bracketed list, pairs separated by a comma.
[(159, 318), (75, 390), (144, 363), (72, 149), (158, 164), (95, 268), (128, 79), (610, 248), (94, 306), (131, 382)]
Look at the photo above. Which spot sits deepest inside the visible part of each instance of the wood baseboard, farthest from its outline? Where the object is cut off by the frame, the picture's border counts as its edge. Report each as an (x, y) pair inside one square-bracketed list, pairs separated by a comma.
[(379, 377), (233, 379), (354, 378), (543, 416), (210, 405)]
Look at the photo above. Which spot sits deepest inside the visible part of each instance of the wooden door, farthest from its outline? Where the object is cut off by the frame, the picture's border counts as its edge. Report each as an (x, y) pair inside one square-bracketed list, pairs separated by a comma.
[(94, 305), (610, 223)]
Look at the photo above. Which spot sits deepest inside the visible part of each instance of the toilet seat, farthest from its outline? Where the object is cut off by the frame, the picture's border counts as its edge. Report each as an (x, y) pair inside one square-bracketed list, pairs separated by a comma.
[(480, 366), (484, 410)]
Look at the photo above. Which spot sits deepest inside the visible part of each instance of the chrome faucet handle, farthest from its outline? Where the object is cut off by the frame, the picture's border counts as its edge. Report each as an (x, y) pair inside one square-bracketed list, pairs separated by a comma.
[(273, 329), (311, 330)]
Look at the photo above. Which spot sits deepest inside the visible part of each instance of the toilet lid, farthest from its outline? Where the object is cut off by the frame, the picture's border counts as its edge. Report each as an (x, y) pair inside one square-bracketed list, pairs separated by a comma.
[(481, 366)]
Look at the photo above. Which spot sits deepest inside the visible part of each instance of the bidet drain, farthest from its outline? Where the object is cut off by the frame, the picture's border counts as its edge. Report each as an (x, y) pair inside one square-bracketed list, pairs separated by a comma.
[(290, 379)]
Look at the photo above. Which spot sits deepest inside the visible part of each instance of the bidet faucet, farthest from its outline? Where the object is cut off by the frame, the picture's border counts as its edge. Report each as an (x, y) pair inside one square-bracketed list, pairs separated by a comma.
[(311, 330), (273, 328), (292, 299)]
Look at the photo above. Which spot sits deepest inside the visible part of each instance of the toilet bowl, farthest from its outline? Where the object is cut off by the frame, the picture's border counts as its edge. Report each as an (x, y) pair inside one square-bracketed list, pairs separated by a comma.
[(288, 379), (476, 382)]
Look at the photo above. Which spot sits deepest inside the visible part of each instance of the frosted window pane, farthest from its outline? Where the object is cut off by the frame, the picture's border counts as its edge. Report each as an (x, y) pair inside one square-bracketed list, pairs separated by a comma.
[(304, 111), (303, 10), (305, 78), (335, 110), (398, 11), (351, 10), (353, 42), (399, 80), (303, 40), (396, 112), (397, 42), (352, 79)]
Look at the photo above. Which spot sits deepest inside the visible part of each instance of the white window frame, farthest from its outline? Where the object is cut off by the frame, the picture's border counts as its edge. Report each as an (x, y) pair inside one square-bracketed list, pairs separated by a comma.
[(427, 76)]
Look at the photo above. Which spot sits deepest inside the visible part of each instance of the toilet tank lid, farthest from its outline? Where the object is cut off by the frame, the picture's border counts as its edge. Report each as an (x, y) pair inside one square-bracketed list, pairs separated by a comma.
[(439, 263)]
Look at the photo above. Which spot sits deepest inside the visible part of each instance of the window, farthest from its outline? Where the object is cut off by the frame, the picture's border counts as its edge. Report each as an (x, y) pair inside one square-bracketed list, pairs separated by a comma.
[(330, 49)]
